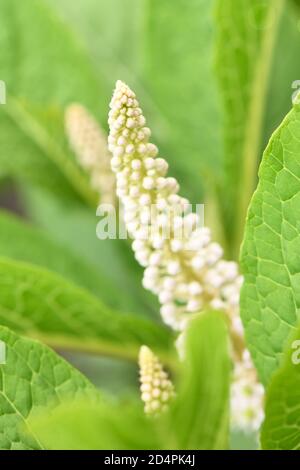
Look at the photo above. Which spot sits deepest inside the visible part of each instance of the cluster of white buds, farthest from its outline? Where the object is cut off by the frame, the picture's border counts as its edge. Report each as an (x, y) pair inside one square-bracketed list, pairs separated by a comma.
[(247, 396), (183, 266), (156, 388), (89, 144)]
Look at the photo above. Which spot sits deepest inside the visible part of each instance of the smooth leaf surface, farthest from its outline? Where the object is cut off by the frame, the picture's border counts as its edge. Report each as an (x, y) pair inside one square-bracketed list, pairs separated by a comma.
[(33, 378), (103, 426), (197, 420), (42, 304), (23, 242), (200, 415), (281, 428), (270, 254)]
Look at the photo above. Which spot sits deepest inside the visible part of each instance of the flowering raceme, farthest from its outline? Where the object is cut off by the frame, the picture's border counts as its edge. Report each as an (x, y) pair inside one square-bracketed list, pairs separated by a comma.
[(187, 272), (183, 266), (89, 144)]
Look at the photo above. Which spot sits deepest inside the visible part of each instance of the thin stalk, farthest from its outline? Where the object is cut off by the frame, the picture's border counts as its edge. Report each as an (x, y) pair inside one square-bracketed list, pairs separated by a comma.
[(96, 347), (250, 154)]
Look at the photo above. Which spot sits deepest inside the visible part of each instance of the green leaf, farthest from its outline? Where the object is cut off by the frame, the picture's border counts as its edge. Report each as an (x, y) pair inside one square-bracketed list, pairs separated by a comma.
[(27, 47), (270, 254), (77, 227), (33, 378), (190, 101), (35, 246), (84, 426), (25, 130), (246, 39), (201, 411), (45, 306), (198, 419), (109, 30), (284, 72), (281, 428)]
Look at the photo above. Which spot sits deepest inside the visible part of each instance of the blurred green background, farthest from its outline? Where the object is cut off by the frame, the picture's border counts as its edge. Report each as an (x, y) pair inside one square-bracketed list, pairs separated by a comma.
[(185, 59)]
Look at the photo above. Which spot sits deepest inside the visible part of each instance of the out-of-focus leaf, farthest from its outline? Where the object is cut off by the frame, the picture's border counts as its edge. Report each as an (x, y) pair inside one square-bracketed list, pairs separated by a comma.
[(281, 428), (246, 39), (22, 242), (42, 63), (243, 440), (201, 411), (42, 60), (198, 419), (111, 375), (178, 68), (32, 378), (45, 306), (270, 253), (109, 30), (93, 427)]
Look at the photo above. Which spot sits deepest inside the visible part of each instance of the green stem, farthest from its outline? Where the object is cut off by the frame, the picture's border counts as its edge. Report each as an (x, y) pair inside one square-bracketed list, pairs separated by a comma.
[(250, 154), (96, 347)]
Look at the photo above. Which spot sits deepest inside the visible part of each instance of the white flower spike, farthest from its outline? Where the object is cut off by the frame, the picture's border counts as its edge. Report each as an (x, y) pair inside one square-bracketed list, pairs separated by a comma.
[(156, 389), (185, 271), (247, 396), (89, 144)]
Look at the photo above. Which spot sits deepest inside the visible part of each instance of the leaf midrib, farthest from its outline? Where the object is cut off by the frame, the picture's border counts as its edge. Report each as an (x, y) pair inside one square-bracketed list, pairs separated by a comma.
[(18, 412)]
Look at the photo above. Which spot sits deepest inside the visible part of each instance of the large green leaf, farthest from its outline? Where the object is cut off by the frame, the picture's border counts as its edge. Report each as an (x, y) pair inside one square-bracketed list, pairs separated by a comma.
[(270, 254), (42, 304), (33, 378), (84, 426), (40, 248), (198, 419), (23, 242), (201, 412), (246, 39), (281, 428)]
